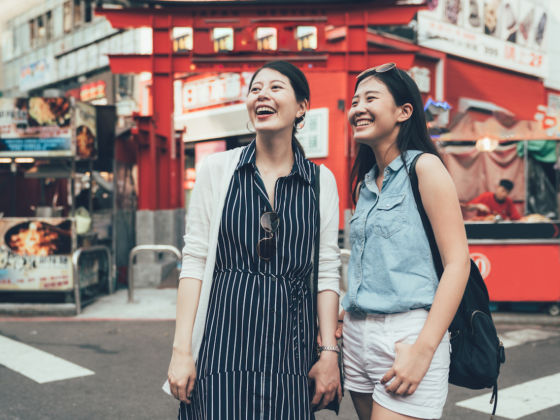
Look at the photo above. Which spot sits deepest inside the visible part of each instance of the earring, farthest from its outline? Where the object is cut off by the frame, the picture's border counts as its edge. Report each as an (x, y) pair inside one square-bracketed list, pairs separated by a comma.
[(250, 129), (299, 125)]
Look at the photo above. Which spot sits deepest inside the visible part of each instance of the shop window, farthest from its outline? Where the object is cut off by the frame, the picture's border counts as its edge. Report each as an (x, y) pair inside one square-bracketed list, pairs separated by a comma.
[(67, 16), (87, 11), (306, 37), (125, 86), (78, 13), (267, 39), (222, 39), (41, 30), (15, 37), (32, 33), (182, 39), (48, 26)]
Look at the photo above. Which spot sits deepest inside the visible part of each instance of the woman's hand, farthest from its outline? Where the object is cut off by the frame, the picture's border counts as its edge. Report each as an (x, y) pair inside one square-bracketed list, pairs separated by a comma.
[(181, 375), (340, 325), (326, 377), (411, 364)]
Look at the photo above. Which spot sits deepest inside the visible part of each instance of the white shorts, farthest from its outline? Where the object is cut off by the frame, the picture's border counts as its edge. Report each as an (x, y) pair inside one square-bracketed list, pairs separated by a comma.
[(369, 352)]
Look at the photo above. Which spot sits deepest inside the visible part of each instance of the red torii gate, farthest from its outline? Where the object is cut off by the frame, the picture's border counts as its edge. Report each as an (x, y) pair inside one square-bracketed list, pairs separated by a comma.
[(343, 37)]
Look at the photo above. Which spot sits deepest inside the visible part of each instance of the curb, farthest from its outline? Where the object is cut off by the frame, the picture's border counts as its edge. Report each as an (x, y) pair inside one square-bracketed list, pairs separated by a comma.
[(510, 318), (38, 309)]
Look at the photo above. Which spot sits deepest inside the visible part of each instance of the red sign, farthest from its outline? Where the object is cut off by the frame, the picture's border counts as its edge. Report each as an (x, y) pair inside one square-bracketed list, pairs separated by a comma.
[(520, 272), (93, 90), (483, 263)]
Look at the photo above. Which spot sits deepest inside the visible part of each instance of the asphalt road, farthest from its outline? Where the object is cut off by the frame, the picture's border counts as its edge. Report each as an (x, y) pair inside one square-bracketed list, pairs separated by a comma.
[(130, 361)]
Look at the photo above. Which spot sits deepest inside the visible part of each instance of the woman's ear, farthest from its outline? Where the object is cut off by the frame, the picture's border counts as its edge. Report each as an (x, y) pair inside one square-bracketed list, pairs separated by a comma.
[(302, 108), (405, 112)]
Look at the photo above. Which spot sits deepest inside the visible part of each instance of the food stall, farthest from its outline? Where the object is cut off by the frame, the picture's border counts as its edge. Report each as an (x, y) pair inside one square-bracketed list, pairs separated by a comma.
[(47, 147), (519, 260)]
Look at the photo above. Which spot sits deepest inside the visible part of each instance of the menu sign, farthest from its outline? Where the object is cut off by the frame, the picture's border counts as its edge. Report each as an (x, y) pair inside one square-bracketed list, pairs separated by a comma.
[(35, 254), (504, 33), (35, 127)]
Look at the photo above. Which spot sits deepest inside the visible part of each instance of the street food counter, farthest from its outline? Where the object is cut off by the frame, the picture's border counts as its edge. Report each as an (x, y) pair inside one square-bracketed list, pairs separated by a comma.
[(520, 262), (36, 254), (48, 243)]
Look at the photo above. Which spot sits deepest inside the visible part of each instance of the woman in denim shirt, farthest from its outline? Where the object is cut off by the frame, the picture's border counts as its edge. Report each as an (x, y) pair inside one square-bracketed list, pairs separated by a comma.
[(397, 311)]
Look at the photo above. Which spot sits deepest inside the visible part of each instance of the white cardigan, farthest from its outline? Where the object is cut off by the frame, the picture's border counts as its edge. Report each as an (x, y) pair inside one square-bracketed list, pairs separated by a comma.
[(203, 223)]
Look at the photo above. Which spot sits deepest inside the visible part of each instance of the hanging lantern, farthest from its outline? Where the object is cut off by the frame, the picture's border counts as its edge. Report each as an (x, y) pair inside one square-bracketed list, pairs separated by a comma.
[(487, 144)]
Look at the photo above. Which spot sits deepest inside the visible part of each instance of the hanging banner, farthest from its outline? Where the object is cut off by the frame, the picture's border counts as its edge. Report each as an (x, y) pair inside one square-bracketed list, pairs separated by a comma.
[(35, 254), (509, 34), (86, 131), (35, 127)]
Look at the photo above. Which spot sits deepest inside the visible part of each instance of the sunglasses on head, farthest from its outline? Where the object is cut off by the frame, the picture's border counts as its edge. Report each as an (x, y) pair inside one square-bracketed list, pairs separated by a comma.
[(266, 247), (383, 68)]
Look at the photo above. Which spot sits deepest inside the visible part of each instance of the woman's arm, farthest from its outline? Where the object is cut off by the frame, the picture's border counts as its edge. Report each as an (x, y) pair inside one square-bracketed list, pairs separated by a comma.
[(182, 371), (440, 201), (325, 372)]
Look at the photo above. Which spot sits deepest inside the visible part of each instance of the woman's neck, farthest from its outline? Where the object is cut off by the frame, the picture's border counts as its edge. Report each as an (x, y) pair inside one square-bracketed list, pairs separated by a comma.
[(274, 153), (385, 153)]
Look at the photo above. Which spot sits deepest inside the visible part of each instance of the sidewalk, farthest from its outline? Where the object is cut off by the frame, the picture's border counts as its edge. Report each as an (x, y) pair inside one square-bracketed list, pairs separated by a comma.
[(159, 304), (149, 304)]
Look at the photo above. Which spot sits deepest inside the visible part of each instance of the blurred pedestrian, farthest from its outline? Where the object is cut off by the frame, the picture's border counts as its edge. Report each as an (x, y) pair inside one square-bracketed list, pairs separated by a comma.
[(396, 345), (244, 334)]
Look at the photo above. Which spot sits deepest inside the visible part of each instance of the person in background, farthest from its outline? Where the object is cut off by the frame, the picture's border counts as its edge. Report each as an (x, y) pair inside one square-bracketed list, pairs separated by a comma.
[(498, 203)]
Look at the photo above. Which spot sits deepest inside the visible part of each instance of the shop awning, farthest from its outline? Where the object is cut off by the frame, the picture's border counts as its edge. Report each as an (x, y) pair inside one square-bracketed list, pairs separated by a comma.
[(473, 125)]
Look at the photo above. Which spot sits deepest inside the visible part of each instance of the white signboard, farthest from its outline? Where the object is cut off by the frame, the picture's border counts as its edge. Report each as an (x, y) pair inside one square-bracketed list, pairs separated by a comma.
[(314, 136), (505, 33), (214, 90)]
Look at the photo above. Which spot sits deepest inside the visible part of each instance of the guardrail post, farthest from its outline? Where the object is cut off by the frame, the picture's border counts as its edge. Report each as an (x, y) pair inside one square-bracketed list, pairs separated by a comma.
[(76, 274), (139, 248)]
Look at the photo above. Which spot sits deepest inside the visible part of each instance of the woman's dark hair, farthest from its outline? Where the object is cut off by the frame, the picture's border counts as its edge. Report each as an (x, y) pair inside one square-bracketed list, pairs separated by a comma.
[(299, 84), (413, 133)]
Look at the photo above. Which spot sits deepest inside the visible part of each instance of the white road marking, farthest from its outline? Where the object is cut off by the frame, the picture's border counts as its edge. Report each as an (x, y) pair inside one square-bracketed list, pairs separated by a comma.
[(518, 337), (520, 400), (36, 364)]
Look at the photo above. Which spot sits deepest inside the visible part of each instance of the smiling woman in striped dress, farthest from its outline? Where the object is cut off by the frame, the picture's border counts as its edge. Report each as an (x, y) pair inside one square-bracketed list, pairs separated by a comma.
[(244, 332)]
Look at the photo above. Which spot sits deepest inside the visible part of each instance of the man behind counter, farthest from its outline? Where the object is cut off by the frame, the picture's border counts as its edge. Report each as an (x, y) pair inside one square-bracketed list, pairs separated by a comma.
[(497, 202)]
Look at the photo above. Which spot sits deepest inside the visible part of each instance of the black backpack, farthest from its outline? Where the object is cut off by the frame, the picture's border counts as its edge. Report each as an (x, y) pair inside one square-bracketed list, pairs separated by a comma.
[(476, 350)]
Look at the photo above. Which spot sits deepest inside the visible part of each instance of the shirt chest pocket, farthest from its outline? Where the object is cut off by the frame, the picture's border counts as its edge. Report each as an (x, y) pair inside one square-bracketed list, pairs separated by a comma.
[(389, 215)]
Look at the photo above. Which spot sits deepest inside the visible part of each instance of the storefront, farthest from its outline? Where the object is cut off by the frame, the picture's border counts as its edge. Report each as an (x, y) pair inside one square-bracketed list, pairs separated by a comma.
[(48, 149), (209, 60)]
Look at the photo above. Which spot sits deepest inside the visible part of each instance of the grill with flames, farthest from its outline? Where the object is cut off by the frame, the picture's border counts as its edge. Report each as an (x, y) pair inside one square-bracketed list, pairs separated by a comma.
[(39, 238)]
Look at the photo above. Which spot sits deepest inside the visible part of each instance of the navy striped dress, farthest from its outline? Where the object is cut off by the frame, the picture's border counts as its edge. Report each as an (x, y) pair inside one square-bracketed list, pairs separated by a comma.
[(256, 349)]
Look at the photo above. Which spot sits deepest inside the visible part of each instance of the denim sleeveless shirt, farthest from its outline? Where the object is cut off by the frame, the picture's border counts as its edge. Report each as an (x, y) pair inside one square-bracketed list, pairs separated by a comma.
[(390, 268)]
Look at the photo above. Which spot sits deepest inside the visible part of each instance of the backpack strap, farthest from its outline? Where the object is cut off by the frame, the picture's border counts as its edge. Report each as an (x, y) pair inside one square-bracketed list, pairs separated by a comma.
[(425, 220)]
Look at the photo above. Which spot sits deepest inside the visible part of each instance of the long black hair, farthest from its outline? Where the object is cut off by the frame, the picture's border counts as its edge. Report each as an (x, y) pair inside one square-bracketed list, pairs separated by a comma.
[(413, 133), (299, 84)]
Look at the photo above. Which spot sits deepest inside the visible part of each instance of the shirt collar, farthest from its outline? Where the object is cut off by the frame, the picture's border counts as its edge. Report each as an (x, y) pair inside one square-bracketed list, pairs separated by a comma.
[(394, 166), (248, 156), (300, 168)]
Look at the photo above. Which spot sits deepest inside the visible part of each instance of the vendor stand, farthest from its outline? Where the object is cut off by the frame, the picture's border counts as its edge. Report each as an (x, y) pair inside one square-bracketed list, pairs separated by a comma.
[(519, 260), (47, 146)]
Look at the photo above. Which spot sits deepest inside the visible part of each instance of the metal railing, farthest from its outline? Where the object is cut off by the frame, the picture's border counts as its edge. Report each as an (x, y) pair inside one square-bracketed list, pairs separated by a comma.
[(76, 273), (139, 248)]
